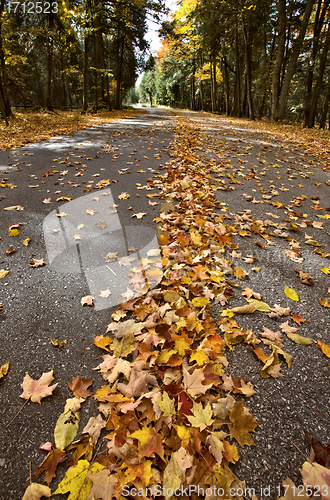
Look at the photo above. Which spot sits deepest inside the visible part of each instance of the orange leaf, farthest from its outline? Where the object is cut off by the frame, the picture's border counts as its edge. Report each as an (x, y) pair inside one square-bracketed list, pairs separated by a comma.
[(324, 348)]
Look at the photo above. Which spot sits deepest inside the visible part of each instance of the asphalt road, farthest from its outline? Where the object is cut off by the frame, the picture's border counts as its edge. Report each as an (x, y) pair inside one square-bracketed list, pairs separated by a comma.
[(44, 302)]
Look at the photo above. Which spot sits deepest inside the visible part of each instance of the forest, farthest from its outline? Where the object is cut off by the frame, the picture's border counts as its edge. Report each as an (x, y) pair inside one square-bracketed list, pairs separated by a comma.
[(244, 58), (71, 54)]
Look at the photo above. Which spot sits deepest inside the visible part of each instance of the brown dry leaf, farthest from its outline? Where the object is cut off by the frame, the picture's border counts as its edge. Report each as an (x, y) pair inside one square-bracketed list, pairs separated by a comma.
[(94, 427), (79, 386), (49, 465), (192, 383), (242, 424), (10, 250), (104, 485)]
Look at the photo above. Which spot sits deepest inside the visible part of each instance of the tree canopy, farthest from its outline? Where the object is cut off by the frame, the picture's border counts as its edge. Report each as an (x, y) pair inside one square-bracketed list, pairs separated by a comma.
[(250, 58)]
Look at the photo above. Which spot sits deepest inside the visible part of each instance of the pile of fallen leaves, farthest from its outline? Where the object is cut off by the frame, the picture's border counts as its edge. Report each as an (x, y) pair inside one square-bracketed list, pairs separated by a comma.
[(167, 418), (29, 127)]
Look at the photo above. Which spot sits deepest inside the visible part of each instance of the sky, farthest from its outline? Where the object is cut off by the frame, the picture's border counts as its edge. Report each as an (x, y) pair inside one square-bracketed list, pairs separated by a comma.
[(152, 35)]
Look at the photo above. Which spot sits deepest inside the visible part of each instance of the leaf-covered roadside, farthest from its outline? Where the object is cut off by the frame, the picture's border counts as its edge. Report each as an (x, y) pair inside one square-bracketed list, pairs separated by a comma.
[(166, 411), (29, 127)]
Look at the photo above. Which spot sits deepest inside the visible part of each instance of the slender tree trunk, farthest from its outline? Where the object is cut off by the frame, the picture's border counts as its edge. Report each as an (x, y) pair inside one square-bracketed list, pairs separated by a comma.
[(281, 6), (5, 104), (237, 101), (193, 104), (86, 72), (119, 76), (98, 55), (325, 109), (49, 67), (226, 85), (280, 109), (262, 105), (318, 25), (247, 53), (317, 89)]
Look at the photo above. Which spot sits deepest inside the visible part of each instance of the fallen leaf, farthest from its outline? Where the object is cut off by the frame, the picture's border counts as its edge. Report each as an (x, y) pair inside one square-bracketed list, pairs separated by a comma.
[(10, 250), (87, 300), (139, 215), (149, 442), (291, 293), (104, 485), (4, 369), (298, 339), (124, 196), (102, 224), (49, 465), (316, 476), (37, 389), (77, 482), (26, 241), (104, 293), (35, 491), (79, 386), (14, 207), (3, 273), (324, 302), (242, 424), (324, 348), (37, 262), (126, 261), (202, 417)]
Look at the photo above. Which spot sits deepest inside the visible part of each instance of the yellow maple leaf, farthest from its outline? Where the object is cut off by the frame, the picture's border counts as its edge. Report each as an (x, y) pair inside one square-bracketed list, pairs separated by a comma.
[(202, 417), (76, 480), (242, 424)]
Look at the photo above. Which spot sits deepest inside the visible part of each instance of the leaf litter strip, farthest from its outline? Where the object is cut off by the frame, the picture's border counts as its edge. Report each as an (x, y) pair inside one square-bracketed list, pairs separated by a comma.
[(165, 409)]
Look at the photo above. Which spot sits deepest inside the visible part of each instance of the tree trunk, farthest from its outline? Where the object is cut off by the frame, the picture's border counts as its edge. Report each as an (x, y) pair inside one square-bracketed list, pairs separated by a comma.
[(279, 55), (237, 101), (226, 85), (119, 76), (247, 54), (98, 56), (49, 63), (86, 72), (318, 25), (193, 104), (317, 89), (5, 104), (325, 109), (280, 109)]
